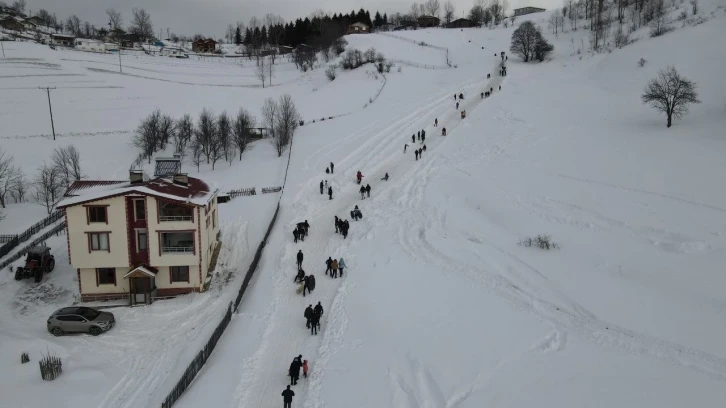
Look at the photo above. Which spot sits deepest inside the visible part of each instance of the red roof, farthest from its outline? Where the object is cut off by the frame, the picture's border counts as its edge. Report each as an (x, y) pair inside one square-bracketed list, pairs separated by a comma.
[(196, 187), (80, 185)]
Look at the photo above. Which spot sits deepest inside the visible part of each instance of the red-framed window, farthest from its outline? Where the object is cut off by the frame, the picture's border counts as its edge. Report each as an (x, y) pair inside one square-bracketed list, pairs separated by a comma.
[(99, 241), (105, 276), (179, 273), (97, 214)]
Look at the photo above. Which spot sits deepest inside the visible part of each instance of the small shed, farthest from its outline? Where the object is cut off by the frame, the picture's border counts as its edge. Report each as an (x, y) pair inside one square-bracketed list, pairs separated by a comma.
[(62, 39), (129, 40), (87, 44), (358, 28), (428, 21), (461, 23), (204, 45), (11, 23)]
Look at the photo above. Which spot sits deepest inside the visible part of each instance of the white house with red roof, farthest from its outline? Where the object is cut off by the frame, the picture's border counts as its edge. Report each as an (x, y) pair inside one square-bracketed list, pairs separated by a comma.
[(140, 239)]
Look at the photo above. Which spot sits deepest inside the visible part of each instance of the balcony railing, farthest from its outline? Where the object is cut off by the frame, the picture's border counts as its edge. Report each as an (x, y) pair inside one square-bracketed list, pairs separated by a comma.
[(177, 249), (169, 218)]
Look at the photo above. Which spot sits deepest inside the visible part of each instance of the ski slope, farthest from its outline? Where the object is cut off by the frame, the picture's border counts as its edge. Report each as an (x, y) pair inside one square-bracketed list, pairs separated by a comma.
[(439, 306)]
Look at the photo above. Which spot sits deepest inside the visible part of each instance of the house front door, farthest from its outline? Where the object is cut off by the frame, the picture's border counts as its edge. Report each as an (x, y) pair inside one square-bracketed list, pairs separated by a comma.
[(141, 288)]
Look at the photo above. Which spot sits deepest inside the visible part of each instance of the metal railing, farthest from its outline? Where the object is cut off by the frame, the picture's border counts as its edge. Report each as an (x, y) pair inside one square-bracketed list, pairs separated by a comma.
[(53, 231), (176, 249), (168, 218)]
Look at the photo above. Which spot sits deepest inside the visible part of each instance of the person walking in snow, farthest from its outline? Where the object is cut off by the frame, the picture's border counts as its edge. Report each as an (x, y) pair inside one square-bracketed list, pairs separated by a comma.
[(314, 324), (420, 153), (329, 266), (299, 259), (327, 170), (500, 87), (326, 184), (461, 96), (443, 132), (418, 135), (321, 186), (307, 226), (305, 368), (356, 214), (385, 178), (330, 193), (300, 276), (346, 225), (287, 395), (334, 274), (413, 138), (336, 224), (454, 96), (424, 148), (301, 228), (362, 192), (405, 146), (332, 167), (368, 190), (359, 176), (301, 234), (318, 309), (457, 105), (308, 315), (415, 152), (295, 234), (436, 122), (295, 371), (482, 95), (423, 137), (341, 266)]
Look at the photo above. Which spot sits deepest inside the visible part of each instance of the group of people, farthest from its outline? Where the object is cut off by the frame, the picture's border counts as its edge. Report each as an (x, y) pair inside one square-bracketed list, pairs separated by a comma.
[(503, 70), (312, 316), (421, 135), (341, 226), (333, 266), (365, 190), (301, 231), (330, 170)]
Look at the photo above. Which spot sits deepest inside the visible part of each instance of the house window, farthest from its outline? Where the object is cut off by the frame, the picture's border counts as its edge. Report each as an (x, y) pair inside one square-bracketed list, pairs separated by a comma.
[(98, 241), (106, 276), (177, 242), (142, 240), (179, 273), (97, 214), (140, 210), (174, 212)]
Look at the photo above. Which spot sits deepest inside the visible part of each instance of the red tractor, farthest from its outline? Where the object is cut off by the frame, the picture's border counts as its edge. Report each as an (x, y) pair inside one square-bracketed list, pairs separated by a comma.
[(38, 261)]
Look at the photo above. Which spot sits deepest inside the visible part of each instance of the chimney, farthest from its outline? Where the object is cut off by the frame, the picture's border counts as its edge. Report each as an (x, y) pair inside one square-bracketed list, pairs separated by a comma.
[(136, 176), (181, 179)]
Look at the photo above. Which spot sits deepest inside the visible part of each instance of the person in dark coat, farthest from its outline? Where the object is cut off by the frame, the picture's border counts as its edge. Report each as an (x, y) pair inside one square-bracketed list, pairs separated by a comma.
[(454, 96), (336, 224), (311, 283), (299, 259), (415, 152), (500, 87), (318, 309), (327, 170), (405, 146), (362, 192), (307, 226), (418, 135), (420, 152), (300, 277), (385, 178), (301, 234), (308, 315), (482, 95), (329, 265), (301, 228), (359, 176), (413, 138), (436, 122), (306, 285), (295, 234), (314, 323), (321, 186), (332, 167), (443, 132), (457, 105), (424, 148), (423, 136), (345, 229), (330, 193), (461, 96), (287, 395), (295, 371), (368, 190)]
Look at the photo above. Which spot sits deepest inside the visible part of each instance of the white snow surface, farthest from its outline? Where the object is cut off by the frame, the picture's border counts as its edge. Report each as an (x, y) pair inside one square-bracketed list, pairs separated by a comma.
[(439, 306)]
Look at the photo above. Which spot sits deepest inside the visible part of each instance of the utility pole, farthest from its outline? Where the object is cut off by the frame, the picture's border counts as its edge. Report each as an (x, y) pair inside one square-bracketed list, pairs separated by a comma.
[(50, 108), (3, 48), (119, 58)]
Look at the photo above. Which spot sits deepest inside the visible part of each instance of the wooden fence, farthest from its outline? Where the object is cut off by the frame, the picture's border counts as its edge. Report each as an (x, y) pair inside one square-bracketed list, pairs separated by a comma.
[(27, 234)]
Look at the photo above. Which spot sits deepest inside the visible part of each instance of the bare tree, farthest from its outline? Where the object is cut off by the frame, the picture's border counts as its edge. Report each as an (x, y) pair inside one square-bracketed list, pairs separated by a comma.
[(141, 24), (415, 11), (240, 130), (73, 25), (269, 118), (524, 39), (288, 119), (659, 25), (67, 161), (670, 93), (270, 70), (196, 150), (274, 35), (20, 189), (115, 21), (206, 133), (229, 33), (9, 175), (433, 7), (262, 71), (448, 11), (48, 187), (166, 131), (19, 6), (183, 133), (147, 134), (556, 21), (694, 6), (498, 8), (224, 134)]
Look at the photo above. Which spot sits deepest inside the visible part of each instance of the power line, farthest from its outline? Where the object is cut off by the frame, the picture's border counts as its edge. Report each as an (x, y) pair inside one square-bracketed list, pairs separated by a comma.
[(50, 108)]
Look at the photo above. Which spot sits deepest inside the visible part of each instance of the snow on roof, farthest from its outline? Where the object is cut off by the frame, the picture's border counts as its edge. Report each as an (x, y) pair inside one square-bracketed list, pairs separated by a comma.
[(90, 186), (145, 269), (61, 35), (196, 192)]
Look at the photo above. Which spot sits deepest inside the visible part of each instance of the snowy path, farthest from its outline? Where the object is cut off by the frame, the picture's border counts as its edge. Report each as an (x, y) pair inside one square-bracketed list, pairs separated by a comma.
[(265, 372)]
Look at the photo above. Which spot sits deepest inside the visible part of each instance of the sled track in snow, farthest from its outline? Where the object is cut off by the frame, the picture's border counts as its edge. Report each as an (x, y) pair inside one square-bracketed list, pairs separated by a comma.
[(285, 336)]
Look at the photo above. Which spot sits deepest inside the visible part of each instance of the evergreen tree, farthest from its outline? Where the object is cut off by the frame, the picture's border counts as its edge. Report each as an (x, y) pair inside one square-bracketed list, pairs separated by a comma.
[(385, 19), (368, 19), (377, 21), (263, 35), (248, 37), (238, 36)]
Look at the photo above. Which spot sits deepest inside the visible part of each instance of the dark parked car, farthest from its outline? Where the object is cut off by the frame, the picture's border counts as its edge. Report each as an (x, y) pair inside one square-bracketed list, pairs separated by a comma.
[(80, 320)]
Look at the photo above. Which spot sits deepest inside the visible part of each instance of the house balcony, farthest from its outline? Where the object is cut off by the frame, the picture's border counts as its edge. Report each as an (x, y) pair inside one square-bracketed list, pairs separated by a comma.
[(177, 242)]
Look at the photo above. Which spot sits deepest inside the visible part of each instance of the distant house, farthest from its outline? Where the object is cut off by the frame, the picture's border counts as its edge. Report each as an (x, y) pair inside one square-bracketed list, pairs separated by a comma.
[(461, 23), (428, 21), (174, 52), (386, 27), (62, 39), (129, 40), (358, 28), (138, 239), (116, 34), (527, 10), (35, 20), (284, 49), (203, 45), (12, 23), (87, 44)]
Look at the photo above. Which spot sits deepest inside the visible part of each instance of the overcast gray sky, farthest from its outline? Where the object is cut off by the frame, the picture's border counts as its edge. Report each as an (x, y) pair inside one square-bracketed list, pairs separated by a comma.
[(210, 17)]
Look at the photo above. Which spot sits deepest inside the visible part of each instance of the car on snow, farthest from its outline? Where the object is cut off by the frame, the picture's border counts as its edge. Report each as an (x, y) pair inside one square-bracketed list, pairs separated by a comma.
[(80, 320)]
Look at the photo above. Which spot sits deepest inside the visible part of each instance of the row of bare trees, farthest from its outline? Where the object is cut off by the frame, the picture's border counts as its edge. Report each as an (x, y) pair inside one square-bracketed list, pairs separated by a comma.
[(281, 118), (49, 183)]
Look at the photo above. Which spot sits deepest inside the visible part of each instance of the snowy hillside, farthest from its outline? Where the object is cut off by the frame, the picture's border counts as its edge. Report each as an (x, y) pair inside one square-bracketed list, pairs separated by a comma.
[(439, 305)]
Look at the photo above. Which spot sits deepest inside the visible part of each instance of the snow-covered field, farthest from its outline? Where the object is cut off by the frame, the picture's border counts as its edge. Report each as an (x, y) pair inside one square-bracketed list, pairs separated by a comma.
[(439, 306)]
